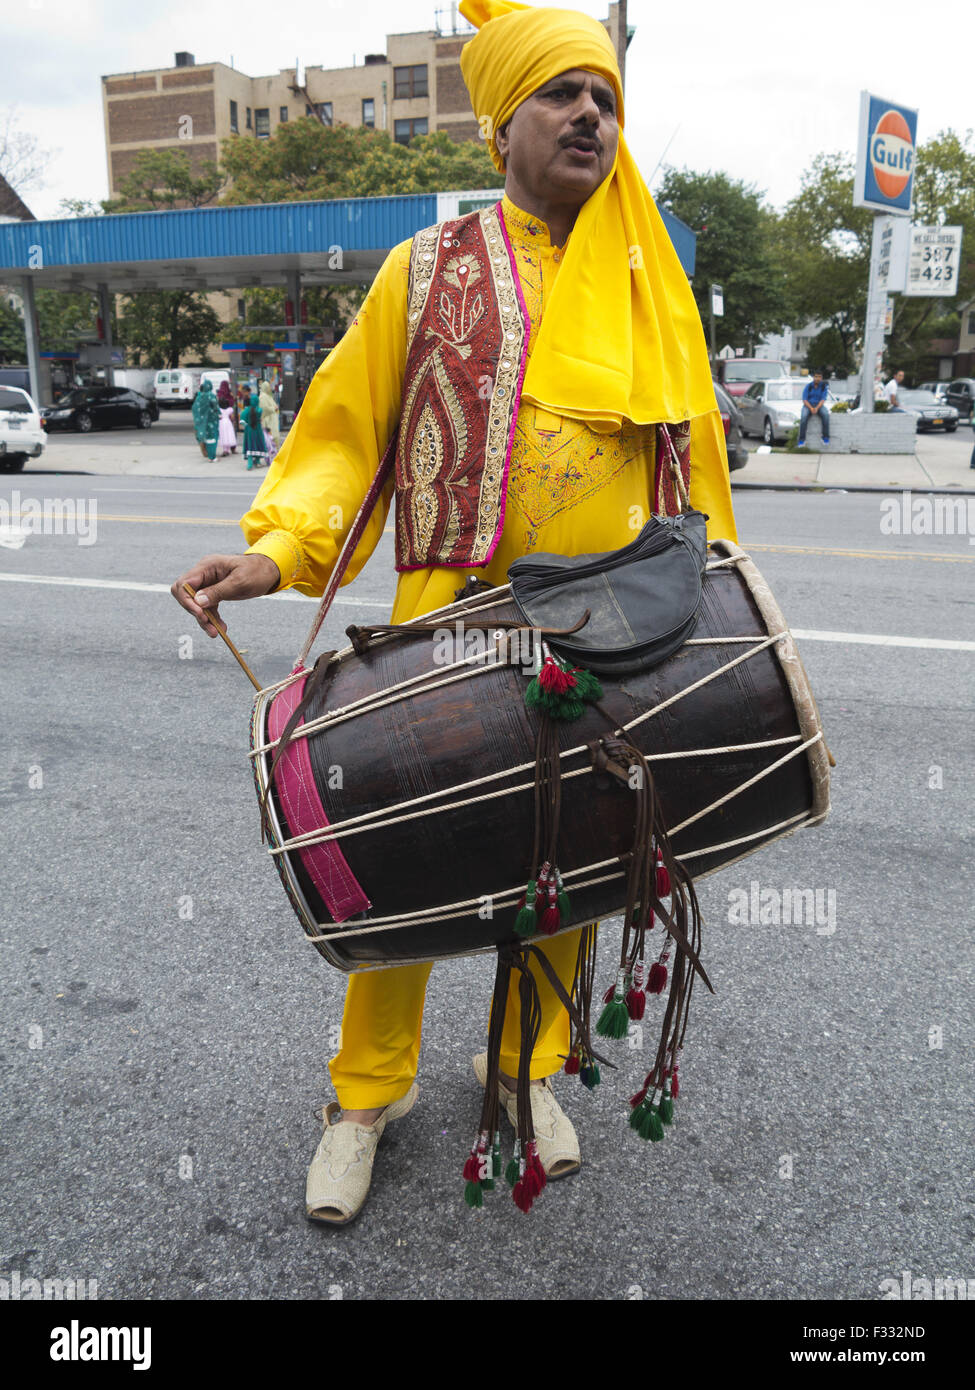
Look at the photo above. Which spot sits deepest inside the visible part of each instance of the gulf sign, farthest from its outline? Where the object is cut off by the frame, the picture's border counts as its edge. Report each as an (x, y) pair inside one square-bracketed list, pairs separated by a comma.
[(885, 155)]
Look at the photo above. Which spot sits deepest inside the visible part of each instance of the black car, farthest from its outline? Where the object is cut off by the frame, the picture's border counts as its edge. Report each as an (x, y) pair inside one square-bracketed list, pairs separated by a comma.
[(99, 408), (731, 418), (961, 394)]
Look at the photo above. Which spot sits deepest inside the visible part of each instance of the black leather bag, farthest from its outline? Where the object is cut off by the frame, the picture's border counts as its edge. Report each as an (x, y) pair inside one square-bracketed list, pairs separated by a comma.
[(643, 600)]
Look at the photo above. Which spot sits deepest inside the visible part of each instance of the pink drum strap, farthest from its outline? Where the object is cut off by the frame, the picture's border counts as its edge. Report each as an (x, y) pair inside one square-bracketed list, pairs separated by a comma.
[(295, 784)]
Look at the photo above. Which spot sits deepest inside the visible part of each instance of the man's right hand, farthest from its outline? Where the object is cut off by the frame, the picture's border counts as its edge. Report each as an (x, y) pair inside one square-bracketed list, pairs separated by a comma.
[(219, 577)]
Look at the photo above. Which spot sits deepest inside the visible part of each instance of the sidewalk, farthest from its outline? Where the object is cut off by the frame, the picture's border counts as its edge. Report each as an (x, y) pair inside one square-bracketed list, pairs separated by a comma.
[(939, 461)]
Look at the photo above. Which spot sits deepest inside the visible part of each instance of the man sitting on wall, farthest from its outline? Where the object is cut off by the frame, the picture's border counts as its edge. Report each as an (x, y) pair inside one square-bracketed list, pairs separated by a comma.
[(814, 403)]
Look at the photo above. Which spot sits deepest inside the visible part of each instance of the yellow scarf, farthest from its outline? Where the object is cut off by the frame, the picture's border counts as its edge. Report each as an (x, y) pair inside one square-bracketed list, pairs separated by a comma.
[(622, 336)]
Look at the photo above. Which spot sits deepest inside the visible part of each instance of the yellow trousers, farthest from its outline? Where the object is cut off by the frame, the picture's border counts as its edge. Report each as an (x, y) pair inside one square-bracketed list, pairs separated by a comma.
[(383, 1017)]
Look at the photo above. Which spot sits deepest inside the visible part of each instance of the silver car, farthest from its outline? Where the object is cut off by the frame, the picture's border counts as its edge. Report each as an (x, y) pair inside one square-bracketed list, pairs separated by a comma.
[(771, 408)]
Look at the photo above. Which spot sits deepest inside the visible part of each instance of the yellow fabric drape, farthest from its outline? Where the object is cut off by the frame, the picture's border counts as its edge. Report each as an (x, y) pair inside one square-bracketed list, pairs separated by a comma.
[(570, 489), (622, 337)]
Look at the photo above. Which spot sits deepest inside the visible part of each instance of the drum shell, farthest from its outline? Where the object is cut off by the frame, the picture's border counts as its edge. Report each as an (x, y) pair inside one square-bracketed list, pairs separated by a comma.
[(477, 852)]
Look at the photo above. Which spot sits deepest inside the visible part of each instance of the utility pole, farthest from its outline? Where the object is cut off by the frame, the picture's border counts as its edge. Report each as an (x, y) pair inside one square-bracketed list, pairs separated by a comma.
[(621, 40)]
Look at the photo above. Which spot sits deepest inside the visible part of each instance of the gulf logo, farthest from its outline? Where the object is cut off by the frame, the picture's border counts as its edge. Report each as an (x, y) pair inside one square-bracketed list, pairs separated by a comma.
[(892, 154)]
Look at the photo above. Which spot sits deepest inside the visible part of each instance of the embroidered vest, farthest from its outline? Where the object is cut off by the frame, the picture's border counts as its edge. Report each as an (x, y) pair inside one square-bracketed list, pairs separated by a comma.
[(467, 347), (467, 342)]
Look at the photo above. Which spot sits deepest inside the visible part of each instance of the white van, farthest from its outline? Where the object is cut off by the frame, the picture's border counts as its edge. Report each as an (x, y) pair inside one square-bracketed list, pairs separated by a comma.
[(141, 379), (215, 375), (176, 386)]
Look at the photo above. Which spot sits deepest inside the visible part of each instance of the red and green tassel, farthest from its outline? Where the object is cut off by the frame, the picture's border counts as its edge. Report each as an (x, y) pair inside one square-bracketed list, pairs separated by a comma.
[(561, 693), (477, 1171), (636, 999), (526, 922), (614, 1021), (646, 1120)]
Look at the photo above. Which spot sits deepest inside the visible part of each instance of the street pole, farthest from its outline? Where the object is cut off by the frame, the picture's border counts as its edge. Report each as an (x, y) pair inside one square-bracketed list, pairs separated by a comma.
[(873, 335), (621, 41)]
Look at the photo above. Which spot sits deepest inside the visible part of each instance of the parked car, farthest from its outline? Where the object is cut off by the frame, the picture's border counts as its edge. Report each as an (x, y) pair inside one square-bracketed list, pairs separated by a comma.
[(771, 408), (21, 433), (961, 394), (940, 388), (731, 419), (99, 407), (737, 373), (176, 387), (931, 413)]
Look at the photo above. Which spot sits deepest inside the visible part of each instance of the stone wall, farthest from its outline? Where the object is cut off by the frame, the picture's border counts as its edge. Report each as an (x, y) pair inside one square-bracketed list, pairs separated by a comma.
[(851, 433)]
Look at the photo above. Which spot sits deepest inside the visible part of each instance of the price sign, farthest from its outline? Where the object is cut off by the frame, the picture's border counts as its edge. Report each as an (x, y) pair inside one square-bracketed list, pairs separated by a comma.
[(934, 259)]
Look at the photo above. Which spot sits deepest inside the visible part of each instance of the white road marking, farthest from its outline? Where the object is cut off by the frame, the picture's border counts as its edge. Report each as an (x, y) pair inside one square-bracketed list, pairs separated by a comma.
[(801, 634), (135, 586), (882, 640)]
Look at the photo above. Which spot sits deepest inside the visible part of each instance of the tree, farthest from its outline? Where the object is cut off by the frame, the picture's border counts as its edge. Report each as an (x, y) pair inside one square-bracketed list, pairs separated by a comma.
[(304, 159), (22, 162), (944, 193), (825, 252), (736, 238), (159, 325), (13, 342), (165, 179)]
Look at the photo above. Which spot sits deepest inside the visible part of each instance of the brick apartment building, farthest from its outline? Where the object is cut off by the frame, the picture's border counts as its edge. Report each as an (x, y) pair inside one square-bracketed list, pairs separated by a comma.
[(414, 88)]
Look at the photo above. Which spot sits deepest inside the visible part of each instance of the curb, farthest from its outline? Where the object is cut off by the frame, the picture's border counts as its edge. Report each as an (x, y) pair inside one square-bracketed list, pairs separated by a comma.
[(947, 489)]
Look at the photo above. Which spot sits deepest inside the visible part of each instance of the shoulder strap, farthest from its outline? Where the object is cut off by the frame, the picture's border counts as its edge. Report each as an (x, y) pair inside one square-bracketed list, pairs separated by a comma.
[(348, 549)]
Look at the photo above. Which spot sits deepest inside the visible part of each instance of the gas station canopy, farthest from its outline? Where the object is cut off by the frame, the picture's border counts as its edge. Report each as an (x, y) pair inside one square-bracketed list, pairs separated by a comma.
[(338, 242)]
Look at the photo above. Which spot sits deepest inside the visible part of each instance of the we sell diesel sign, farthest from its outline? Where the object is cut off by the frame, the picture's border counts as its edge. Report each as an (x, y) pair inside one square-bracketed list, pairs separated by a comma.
[(885, 155)]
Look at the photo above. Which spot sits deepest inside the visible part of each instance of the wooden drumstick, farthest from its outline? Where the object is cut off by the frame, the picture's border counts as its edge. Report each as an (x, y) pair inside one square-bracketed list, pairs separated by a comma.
[(216, 623)]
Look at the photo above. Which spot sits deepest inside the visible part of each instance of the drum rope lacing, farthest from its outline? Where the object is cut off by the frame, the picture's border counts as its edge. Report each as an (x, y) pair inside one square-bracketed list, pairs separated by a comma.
[(315, 837)]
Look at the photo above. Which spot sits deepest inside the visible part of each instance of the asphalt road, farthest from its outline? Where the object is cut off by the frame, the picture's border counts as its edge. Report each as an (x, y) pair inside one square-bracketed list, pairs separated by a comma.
[(166, 1028)]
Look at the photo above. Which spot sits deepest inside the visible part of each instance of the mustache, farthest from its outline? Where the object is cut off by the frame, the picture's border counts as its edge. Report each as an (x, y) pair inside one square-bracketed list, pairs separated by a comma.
[(581, 137)]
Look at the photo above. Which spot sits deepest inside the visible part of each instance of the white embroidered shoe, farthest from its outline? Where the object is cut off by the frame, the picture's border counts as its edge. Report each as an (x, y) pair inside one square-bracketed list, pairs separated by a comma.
[(341, 1171), (558, 1145)]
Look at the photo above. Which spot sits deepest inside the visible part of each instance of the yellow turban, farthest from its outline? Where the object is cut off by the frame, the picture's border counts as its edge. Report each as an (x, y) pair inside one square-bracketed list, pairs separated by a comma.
[(621, 337)]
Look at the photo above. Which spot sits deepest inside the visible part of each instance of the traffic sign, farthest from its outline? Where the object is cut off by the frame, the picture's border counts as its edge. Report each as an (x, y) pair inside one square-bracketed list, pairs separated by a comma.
[(933, 263)]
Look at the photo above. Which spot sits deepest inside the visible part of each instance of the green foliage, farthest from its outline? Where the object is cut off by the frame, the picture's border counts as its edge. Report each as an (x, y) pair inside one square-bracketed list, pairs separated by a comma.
[(13, 343), (157, 326), (166, 178), (736, 248), (944, 192), (825, 249), (831, 350), (305, 159)]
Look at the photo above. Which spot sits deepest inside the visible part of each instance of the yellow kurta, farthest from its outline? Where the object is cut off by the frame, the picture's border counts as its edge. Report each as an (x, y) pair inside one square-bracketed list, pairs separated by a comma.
[(570, 490)]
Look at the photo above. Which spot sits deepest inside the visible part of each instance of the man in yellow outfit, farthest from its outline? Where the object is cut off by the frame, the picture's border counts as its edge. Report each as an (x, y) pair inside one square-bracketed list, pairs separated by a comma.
[(612, 348)]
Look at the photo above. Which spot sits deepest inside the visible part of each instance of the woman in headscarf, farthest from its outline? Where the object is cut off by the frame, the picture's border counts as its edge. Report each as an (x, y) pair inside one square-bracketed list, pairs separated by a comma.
[(255, 446), (206, 420), (228, 427), (269, 408)]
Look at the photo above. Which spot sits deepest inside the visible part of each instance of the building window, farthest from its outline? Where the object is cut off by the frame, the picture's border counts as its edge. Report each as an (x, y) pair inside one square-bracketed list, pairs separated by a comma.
[(404, 131), (410, 82), (368, 111), (262, 122), (323, 110), (283, 114), (233, 117), (241, 309), (971, 322), (248, 118)]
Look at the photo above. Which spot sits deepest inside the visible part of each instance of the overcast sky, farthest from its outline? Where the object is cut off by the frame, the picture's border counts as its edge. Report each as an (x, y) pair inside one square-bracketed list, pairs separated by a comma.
[(754, 89)]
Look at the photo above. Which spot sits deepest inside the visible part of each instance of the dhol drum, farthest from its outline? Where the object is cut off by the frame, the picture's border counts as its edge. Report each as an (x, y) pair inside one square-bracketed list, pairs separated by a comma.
[(402, 810)]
